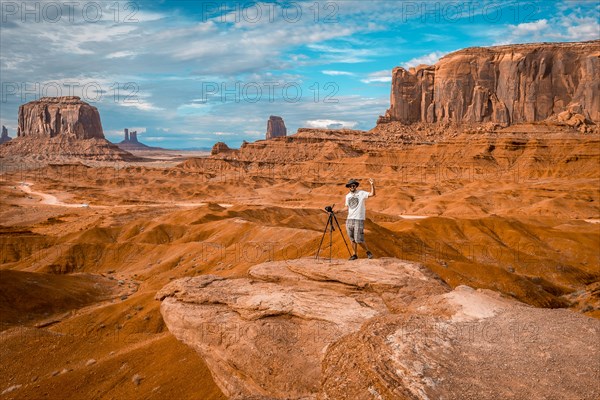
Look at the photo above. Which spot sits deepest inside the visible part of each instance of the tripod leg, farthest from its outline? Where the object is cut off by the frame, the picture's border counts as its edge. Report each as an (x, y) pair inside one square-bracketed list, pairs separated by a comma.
[(323, 237), (342, 233), (330, 236)]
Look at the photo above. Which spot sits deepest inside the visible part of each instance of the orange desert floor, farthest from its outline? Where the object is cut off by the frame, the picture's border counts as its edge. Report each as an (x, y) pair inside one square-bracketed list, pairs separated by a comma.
[(84, 249)]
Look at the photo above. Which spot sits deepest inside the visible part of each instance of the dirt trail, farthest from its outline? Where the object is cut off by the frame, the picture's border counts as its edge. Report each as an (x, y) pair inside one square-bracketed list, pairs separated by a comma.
[(52, 200)]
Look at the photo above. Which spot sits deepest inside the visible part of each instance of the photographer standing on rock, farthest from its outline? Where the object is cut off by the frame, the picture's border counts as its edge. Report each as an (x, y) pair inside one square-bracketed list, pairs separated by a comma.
[(355, 222)]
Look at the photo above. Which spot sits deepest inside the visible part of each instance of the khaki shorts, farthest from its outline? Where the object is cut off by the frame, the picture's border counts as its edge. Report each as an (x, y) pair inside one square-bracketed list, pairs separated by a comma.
[(356, 230)]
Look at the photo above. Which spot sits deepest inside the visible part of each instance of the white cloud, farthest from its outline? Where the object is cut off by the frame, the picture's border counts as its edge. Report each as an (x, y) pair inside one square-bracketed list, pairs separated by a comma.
[(571, 27), (428, 59), (579, 29), (345, 55), (140, 105), (338, 73), (378, 76), (527, 28), (121, 54), (330, 124)]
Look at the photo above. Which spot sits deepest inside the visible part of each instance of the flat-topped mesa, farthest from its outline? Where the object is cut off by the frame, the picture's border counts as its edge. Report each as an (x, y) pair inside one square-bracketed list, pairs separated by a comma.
[(67, 116), (502, 84), (275, 127)]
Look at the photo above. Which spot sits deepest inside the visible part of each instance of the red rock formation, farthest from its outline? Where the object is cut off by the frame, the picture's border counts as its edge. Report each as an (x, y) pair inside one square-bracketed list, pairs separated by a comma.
[(275, 127), (220, 147), (4, 138), (504, 84), (59, 116), (58, 129), (385, 328)]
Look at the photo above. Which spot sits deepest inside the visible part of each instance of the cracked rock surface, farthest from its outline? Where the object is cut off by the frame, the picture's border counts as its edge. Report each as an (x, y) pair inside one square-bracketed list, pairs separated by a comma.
[(376, 329)]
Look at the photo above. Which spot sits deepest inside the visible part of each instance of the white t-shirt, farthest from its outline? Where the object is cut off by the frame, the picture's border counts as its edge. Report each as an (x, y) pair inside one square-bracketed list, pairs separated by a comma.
[(356, 204)]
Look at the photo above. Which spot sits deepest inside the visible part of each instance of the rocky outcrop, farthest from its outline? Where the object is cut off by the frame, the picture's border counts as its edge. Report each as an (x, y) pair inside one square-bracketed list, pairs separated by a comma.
[(275, 127), (503, 84), (51, 117), (4, 138), (266, 335), (467, 344), (385, 328), (220, 148)]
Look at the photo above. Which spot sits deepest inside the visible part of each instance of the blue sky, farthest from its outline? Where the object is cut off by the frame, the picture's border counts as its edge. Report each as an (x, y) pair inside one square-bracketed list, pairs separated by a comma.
[(187, 74)]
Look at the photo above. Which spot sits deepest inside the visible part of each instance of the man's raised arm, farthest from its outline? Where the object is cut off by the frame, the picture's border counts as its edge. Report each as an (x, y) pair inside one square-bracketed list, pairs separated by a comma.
[(372, 192)]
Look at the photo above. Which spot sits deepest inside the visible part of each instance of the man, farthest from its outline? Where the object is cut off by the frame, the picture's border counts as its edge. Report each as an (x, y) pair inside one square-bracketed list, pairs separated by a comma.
[(355, 223)]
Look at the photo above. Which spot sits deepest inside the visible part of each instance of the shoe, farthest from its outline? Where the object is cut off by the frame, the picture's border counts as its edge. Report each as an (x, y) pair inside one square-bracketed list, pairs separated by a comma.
[(354, 257), (369, 255)]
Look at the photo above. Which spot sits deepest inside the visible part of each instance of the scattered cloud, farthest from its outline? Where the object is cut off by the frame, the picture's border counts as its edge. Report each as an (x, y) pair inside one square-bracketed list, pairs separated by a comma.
[(428, 59), (330, 124), (121, 54), (378, 76), (338, 73)]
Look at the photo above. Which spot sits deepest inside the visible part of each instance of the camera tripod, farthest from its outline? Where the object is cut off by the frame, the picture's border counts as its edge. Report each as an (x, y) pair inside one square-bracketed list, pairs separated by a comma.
[(330, 221)]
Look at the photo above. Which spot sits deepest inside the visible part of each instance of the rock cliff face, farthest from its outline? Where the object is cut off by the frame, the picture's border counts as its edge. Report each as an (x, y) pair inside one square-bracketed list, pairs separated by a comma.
[(51, 117), (504, 84), (303, 329), (275, 127)]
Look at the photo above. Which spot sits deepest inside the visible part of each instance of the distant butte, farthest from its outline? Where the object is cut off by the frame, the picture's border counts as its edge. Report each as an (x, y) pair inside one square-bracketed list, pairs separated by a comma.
[(61, 129), (275, 127), (4, 138), (130, 142)]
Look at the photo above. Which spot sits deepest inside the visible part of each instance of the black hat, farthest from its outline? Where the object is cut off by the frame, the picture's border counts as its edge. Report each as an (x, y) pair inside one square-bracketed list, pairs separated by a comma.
[(352, 182)]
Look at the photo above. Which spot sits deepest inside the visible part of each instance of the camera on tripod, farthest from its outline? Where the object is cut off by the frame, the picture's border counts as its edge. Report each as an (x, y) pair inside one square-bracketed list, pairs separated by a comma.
[(329, 226)]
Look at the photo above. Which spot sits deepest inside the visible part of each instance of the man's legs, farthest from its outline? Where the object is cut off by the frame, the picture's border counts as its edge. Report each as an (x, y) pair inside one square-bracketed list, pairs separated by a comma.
[(351, 230), (357, 236)]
